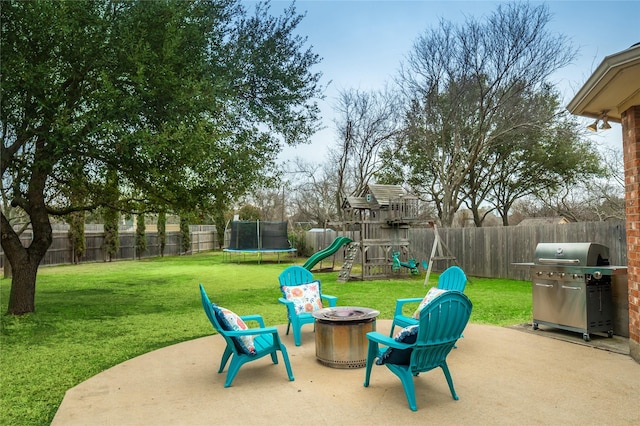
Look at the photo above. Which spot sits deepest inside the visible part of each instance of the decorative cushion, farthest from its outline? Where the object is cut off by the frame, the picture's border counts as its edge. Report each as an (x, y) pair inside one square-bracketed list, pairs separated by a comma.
[(400, 356), (431, 294), (305, 297), (232, 322)]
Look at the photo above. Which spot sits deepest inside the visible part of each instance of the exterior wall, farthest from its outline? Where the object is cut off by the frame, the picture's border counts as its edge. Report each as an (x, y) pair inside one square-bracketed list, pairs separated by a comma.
[(631, 147)]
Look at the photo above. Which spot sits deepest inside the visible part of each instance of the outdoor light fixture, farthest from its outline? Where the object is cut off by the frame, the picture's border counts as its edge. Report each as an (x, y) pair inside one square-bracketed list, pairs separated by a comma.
[(605, 122)]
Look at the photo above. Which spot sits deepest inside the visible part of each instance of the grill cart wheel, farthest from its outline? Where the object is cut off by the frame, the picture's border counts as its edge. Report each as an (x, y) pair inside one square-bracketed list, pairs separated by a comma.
[(585, 337)]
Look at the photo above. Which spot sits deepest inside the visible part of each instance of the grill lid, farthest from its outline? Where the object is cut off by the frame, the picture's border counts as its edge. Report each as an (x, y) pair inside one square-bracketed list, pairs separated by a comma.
[(575, 254)]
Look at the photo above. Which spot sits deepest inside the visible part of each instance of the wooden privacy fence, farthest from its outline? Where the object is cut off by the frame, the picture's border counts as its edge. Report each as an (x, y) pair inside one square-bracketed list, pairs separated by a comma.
[(491, 251), (203, 238), (481, 252)]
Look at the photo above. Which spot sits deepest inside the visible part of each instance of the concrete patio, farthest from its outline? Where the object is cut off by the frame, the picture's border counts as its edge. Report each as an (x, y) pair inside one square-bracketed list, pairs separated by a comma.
[(503, 376)]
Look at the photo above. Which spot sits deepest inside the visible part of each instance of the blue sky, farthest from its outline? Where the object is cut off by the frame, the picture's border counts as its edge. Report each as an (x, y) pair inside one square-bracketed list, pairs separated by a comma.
[(363, 42)]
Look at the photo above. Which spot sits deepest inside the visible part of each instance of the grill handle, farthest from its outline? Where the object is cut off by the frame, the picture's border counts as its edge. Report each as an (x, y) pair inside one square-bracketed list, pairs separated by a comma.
[(568, 287), (543, 261)]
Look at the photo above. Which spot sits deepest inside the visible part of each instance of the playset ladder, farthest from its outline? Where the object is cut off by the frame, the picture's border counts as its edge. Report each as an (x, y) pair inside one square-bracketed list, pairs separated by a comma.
[(349, 257)]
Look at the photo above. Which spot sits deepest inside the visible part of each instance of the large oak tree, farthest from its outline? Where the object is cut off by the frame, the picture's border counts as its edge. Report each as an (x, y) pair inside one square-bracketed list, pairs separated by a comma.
[(187, 103)]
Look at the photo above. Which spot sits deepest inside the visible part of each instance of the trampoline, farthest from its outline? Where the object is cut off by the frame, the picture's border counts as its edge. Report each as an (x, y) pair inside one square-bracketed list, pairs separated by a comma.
[(256, 237)]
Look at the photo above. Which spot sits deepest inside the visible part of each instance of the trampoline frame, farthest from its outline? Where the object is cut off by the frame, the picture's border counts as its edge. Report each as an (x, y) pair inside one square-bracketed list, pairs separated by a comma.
[(228, 252)]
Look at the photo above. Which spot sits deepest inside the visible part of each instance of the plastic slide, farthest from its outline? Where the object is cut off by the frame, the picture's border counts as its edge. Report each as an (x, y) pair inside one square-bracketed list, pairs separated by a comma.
[(324, 253)]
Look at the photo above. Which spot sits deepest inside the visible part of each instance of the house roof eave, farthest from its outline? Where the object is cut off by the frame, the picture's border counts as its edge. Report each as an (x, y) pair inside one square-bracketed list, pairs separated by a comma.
[(612, 88)]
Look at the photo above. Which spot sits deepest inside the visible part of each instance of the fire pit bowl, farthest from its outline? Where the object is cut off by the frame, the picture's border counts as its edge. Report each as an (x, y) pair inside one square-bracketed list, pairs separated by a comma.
[(341, 335), (345, 313)]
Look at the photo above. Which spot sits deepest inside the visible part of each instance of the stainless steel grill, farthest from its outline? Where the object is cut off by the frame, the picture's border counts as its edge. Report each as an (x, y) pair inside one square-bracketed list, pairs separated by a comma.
[(572, 287)]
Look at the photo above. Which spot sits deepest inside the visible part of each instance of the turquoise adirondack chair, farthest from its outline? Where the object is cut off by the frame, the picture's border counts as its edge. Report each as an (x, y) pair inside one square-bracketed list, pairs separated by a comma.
[(426, 346), (266, 341), (311, 294), (294, 275), (453, 278)]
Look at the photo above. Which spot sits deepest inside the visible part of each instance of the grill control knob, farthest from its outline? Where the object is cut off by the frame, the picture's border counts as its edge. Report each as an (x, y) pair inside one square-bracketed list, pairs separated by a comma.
[(562, 274), (575, 276), (550, 274), (597, 275)]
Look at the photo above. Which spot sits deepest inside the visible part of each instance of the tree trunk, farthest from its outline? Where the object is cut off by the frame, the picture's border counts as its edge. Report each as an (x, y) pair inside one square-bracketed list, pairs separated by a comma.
[(477, 220), (220, 228), (447, 214), (23, 289), (7, 266), (24, 267), (25, 260)]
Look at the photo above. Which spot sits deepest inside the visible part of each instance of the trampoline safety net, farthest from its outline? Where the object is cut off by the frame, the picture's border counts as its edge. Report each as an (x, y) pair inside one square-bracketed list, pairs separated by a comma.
[(252, 235)]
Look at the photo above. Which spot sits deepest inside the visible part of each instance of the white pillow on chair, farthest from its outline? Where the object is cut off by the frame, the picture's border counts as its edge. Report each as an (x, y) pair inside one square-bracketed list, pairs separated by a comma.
[(305, 297)]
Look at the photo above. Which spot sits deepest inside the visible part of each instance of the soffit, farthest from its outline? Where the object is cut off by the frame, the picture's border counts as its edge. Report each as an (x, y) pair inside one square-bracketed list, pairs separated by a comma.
[(613, 88)]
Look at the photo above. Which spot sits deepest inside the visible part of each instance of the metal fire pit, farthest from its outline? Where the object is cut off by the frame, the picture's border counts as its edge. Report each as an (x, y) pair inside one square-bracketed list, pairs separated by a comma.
[(341, 335), (572, 287)]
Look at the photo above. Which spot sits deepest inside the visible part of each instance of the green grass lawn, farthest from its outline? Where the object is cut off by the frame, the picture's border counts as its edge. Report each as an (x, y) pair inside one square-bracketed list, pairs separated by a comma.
[(90, 317)]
